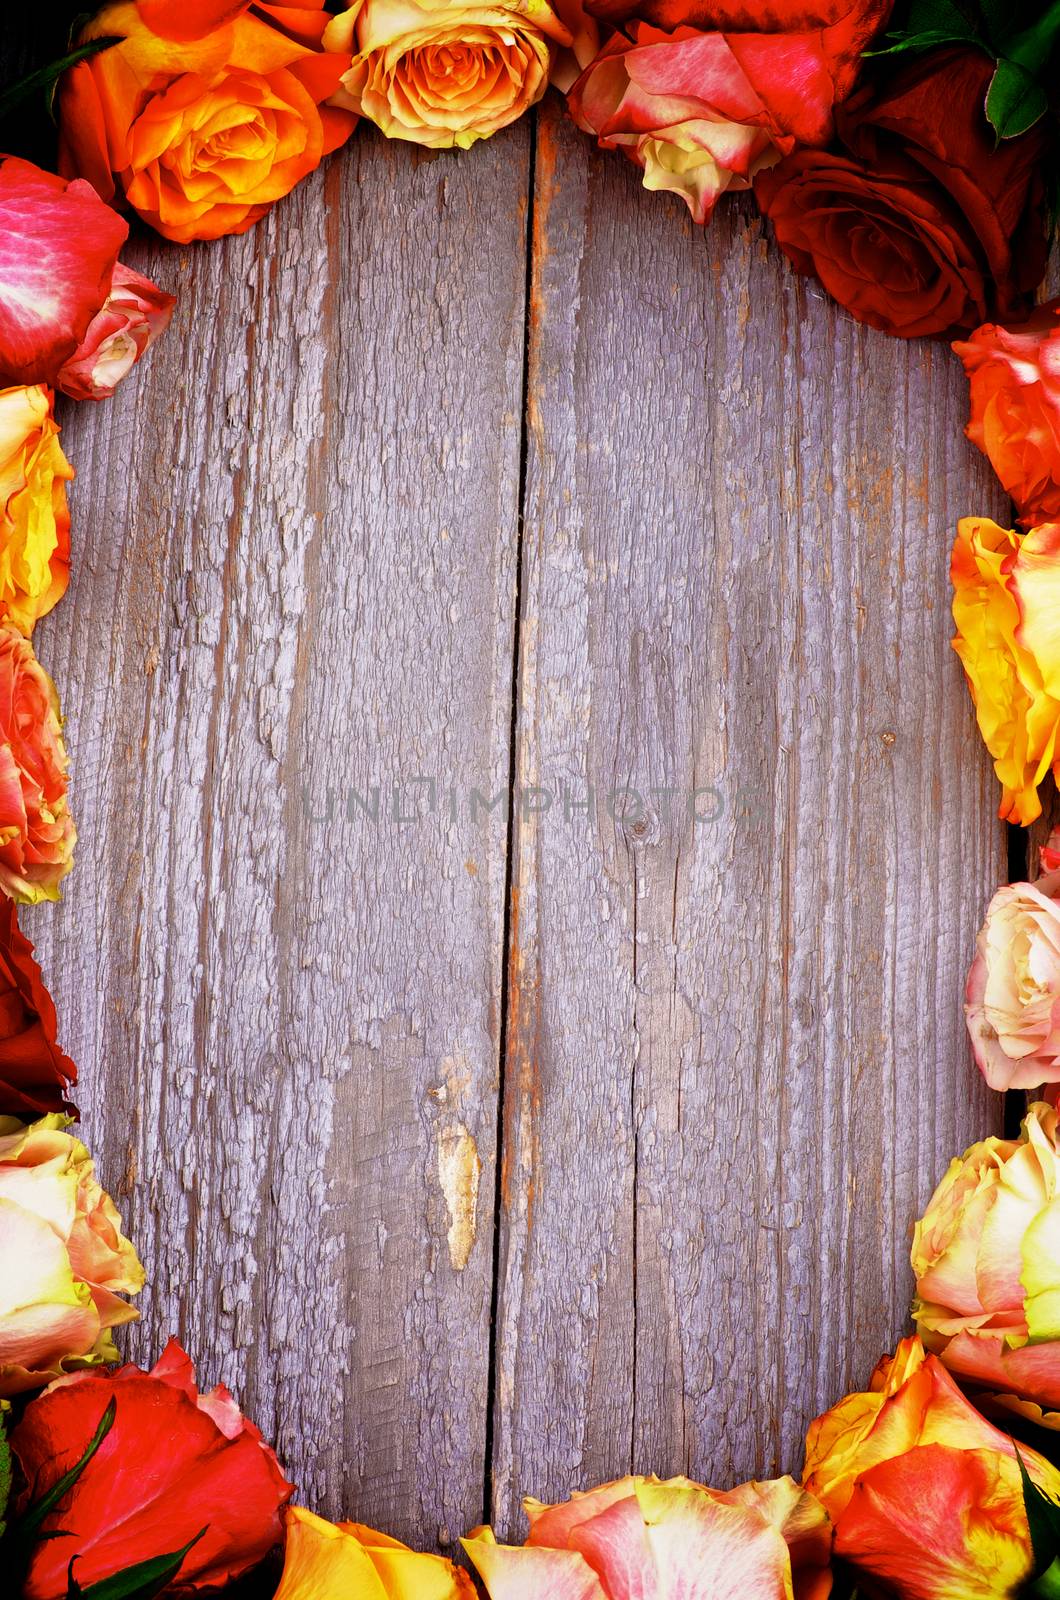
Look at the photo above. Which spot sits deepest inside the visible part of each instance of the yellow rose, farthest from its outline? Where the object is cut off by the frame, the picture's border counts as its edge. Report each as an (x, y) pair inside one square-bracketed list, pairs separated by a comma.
[(34, 520), (1006, 602), (442, 74), (338, 1561)]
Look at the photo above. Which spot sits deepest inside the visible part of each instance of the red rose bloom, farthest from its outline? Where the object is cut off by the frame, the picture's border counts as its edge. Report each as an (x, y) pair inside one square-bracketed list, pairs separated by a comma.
[(917, 224), (58, 247), (33, 1070), (174, 1462)]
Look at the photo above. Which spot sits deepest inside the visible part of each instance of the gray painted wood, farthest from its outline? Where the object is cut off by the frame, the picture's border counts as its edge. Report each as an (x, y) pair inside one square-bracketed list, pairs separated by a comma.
[(734, 1059)]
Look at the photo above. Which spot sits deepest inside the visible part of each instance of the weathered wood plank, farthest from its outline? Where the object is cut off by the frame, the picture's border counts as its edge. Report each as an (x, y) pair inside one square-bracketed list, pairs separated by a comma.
[(737, 1062), (294, 542)]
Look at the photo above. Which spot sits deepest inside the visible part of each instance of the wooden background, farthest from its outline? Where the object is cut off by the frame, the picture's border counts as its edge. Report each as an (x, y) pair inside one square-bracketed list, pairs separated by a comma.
[(487, 1121)]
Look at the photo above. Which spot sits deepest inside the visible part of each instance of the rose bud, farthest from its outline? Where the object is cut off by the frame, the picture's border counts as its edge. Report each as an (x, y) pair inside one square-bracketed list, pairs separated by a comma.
[(1012, 1000), (66, 1260), (33, 1070), (638, 1535), (987, 1260), (134, 313), (325, 1559), (202, 116), (919, 222), (1014, 377), (58, 247), (1006, 595), (37, 832), (34, 519), (174, 1463), (443, 74)]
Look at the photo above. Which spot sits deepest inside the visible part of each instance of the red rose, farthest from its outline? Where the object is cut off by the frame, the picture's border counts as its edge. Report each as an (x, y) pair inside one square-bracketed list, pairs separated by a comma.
[(134, 313), (58, 247), (918, 224), (33, 1070), (174, 1462)]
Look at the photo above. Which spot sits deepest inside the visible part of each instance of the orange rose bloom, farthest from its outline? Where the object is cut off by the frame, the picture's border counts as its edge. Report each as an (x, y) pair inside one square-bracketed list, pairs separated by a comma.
[(329, 1561), (1014, 376), (201, 130), (446, 72), (37, 832), (34, 520), (1006, 604)]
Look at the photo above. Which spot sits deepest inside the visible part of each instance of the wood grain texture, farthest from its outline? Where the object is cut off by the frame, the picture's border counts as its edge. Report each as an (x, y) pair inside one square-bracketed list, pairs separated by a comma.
[(737, 1061), (295, 535)]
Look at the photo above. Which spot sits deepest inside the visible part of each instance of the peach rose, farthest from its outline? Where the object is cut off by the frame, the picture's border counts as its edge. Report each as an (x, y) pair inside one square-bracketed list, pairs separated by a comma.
[(203, 129), (925, 1494), (34, 520), (325, 1560), (1012, 1001), (1014, 378), (638, 1535), (443, 74), (987, 1260), (37, 832), (66, 1260), (134, 313), (1005, 603)]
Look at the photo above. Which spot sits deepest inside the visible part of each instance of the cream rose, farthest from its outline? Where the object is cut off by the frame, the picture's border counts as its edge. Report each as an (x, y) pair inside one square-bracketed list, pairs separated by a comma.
[(441, 74)]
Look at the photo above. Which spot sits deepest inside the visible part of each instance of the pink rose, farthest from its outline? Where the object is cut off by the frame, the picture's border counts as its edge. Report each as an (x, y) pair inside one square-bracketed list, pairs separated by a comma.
[(1012, 1001), (134, 313)]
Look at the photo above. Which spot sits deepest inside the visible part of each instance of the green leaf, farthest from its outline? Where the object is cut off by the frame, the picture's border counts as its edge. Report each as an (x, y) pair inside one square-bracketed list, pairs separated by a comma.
[(1032, 47), (139, 1582), (27, 1530), (1014, 101), (1043, 1519), (921, 41), (5, 1474), (46, 77), (1047, 1587)]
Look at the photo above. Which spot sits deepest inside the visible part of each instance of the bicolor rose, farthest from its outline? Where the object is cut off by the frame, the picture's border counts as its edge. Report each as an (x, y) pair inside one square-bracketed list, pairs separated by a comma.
[(1012, 1000), (1006, 598), (174, 1463), (58, 247), (34, 517), (443, 74), (917, 223), (66, 1261), (37, 832), (639, 1535), (328, 1561), (34, 1072), (987, 1260), (203, 115), (1014, 378), (925, 1494), (134, 313)]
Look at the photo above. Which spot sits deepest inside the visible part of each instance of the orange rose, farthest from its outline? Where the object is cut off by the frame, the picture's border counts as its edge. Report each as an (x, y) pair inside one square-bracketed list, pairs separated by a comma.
[(1014, 377), (329, 1561), (34, 520), (1005, 603), (201, 131), (441, 73), (36, 829)]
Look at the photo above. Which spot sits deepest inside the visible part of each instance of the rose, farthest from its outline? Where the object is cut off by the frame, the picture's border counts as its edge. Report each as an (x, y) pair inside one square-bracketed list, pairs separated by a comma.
[(201, 133), (34, 519), (66, 1260), (925, 1494), (917, 224), (1013, 994), (134, 313), (1006, 590), (667, 1538), (323, 1559), (1014, 375), (37, 832), (33, 1070), (986, 1255), (174, 1462), (58, 247), (845, 26), (443, 74)]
